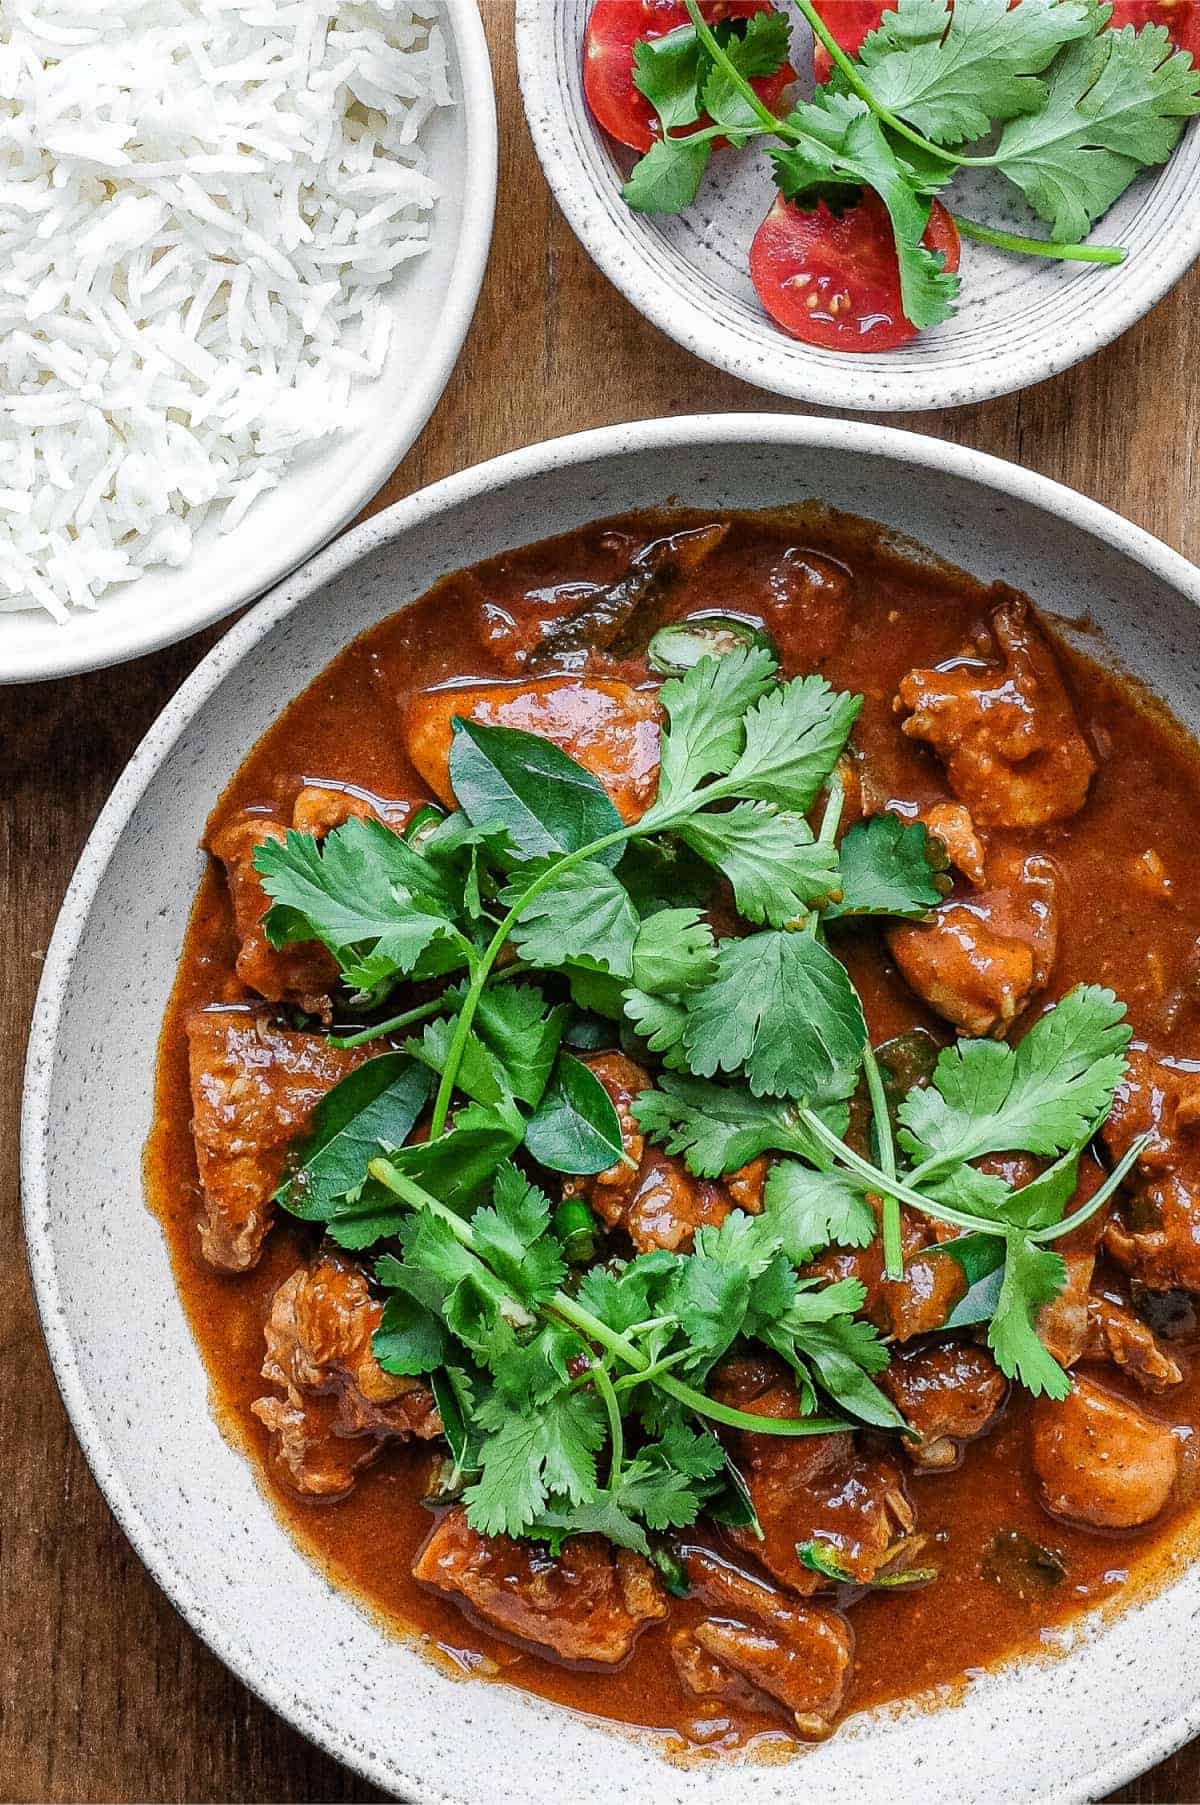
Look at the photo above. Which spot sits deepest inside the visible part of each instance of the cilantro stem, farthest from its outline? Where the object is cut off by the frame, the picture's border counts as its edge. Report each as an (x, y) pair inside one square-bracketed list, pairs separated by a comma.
[(652, 1371), (851, 72), (479, 977), (702, 1405), (566, 1309), (889, 1186), (831, 820), (616, 1429), (1039, 247), (420, 1013), (1097, 1200), (893, 1250)]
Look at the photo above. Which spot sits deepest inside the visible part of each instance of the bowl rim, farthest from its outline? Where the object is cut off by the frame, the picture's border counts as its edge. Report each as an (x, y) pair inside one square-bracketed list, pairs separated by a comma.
[(843, 383), (58, 656), (935, 456)]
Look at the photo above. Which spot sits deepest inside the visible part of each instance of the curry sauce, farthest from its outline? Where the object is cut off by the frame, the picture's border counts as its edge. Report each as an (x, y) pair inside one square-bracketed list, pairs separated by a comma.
[(1127, 868)]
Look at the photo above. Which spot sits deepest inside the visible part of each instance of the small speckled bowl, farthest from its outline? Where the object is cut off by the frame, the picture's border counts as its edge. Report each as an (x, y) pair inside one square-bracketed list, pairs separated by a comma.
[(1065, 1730), (1020, 319)]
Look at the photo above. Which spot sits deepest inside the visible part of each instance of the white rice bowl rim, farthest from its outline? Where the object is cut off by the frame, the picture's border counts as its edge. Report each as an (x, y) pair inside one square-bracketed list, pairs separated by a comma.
[(87, 643)]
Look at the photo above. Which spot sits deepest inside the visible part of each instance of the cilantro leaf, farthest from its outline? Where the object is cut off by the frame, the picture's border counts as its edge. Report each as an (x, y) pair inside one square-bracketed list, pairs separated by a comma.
[(667, 179), (521, 1032), (661, 1022), (544, 799), (672, 69), (479, 1074), (762, 49), (888, 867), (1046, 1095), (364, 893), (511, 1234), (704, 734), (794, 735), (953, 72), (710, 1298), (808, 1210), (632, 1294), (845, 148), (525, 1458), (1033, 1276), (719, 1128), (776, 868), (782, 1007), (1117, 103), (586, 917), (667, 71), (411, 1337), (674, 952)]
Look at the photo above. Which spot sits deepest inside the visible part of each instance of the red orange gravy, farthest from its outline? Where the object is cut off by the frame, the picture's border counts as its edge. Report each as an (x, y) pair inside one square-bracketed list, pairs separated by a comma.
[(1136, 936)]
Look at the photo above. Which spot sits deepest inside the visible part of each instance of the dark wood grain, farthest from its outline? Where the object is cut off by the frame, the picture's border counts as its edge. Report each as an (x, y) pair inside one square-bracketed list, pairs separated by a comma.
[(104, 1693)]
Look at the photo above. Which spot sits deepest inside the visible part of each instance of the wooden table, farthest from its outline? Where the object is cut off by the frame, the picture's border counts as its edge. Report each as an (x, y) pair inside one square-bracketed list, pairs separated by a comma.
[(104, 1693)]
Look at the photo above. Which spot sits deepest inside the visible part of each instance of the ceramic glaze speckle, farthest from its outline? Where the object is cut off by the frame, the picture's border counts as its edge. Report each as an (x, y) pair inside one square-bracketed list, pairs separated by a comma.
[(1020, 319), (434, 299), (132, 1378)]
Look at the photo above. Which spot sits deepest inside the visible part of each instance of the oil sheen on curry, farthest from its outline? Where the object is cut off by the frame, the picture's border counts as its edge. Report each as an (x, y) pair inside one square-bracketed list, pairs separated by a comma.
[(679, 1123)]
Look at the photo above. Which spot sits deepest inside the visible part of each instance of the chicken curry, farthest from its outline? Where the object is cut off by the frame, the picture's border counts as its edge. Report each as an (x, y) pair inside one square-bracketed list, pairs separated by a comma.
[(679, 1123)]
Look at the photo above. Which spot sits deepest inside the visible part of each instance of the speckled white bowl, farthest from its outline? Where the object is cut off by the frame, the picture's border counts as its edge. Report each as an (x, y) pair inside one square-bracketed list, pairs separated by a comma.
[(129, 1371), (1020, 319), (433, 301)]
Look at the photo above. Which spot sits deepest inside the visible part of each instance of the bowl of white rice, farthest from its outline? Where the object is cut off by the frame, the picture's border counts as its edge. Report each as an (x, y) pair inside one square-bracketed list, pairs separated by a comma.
[(241, 242)]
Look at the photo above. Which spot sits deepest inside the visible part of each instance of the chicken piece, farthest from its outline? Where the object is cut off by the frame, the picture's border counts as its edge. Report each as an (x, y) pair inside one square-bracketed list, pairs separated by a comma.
[(1062, 1324), (951, 823), (658, 1203), (1101, 1460), (302, 974), (1003, 724), (762, 1642), (951, 1392), (1155, 1233), (808, 608), (322, 807), (916, 1304), (588, 1604), (983, 957), (1116, 1334), (608, 727), (254, 1089), (809, 1487), (339, 1408)]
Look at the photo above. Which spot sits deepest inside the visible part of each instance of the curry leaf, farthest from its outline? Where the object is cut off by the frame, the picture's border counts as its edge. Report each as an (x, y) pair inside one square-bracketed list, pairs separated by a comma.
[(374, 1108), (547, 803), (575, 1127)]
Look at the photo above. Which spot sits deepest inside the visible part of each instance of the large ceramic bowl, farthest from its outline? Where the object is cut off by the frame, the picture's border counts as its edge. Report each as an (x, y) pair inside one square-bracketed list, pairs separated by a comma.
[(130, 1374), (433, 300), (1020, 319)]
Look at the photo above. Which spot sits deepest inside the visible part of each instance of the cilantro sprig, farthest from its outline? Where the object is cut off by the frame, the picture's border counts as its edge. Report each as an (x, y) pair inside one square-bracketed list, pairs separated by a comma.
[(577, 1397), (1081, 111)]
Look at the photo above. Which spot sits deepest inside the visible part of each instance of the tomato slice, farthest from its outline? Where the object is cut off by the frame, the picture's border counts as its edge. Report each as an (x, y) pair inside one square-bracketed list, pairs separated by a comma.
[(835, 282), (849, 22), (612, 31), (1181, 18)]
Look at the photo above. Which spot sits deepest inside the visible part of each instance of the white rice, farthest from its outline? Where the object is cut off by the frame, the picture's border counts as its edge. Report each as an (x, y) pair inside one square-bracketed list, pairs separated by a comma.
[(200, 203)]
